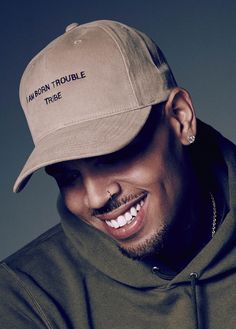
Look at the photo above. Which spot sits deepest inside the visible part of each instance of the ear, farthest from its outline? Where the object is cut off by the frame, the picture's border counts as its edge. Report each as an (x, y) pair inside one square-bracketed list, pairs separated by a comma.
[(180, 113)]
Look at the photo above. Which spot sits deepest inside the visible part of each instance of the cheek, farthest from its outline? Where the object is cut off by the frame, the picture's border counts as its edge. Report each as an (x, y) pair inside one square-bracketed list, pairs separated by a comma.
[(161, 176), (147, 171), (73, 200)]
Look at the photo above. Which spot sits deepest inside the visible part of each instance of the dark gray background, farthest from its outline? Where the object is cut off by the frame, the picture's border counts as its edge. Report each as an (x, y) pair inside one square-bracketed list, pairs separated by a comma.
[(198, 38)]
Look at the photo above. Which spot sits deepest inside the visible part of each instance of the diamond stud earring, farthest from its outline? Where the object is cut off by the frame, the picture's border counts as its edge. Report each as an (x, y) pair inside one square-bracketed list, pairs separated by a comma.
[(191, 139)]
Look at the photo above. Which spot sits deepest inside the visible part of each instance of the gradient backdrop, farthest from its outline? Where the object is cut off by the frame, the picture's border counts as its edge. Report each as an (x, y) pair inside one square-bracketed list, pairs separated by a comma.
[(198, 38)]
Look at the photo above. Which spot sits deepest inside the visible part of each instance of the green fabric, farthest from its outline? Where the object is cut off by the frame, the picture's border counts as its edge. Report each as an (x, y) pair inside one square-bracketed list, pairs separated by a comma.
[(74, 276)]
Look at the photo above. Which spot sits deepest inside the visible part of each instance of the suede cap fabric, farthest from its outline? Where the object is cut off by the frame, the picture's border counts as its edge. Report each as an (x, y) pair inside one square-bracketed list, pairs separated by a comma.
[(89, 92)]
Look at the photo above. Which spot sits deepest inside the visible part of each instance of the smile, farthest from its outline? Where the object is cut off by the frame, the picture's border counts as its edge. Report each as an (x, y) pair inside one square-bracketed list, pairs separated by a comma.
[(127, 220), (127, 217)]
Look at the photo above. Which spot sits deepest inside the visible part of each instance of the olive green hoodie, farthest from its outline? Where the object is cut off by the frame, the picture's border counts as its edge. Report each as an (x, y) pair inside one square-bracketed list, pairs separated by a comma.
[(74, 276)]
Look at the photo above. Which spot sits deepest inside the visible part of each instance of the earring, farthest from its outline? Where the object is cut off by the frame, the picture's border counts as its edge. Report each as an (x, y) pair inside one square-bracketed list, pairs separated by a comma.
[(191, 139)]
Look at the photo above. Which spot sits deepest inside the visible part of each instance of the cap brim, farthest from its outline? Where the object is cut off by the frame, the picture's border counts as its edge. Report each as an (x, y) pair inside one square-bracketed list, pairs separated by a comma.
[(86, 139)]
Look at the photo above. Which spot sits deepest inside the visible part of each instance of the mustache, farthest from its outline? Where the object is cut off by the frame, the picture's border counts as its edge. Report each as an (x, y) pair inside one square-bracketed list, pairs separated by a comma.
[(114, 203)]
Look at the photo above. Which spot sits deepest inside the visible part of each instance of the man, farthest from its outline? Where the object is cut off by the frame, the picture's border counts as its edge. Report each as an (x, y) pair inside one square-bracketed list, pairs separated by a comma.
[(147, 232)]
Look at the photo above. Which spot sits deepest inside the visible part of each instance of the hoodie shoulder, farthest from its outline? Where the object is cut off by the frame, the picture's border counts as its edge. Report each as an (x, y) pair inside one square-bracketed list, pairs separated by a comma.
[(36, 279), (20, 307), (34, 250)]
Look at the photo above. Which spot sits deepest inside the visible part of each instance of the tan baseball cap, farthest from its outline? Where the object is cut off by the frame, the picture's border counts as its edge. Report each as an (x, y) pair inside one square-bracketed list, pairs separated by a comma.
[(89, 92)]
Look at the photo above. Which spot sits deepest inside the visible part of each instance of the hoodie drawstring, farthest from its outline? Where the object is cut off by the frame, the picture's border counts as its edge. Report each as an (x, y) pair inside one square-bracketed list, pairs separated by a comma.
[(194, 278)]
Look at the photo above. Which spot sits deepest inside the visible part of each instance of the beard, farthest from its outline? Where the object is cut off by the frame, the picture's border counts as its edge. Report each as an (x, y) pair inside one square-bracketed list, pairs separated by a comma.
[(149, 247)]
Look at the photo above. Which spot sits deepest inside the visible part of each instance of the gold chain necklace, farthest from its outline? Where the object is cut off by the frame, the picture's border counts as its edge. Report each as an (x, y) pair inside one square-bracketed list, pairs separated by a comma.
[(214, 221)]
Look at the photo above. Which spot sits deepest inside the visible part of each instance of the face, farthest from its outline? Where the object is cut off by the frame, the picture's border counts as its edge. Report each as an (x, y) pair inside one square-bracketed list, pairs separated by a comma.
[(132, 195)]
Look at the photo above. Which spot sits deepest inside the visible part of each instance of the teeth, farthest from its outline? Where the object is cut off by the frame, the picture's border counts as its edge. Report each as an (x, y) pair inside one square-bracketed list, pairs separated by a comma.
[(121, 220), (114, 223), (127, 218), (109, 223), (133, 211)]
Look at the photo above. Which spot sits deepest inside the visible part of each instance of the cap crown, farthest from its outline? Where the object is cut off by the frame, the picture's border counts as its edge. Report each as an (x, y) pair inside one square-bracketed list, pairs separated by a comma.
[(92, 71)]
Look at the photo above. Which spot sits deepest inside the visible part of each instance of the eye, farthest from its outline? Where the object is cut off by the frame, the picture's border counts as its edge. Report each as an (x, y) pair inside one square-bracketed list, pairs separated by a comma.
[(119, 158), (111, 160), (67, 178)]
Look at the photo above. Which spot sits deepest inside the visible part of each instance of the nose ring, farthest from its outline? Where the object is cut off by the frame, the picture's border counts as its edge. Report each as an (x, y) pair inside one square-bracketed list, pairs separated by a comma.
[(110, 196)]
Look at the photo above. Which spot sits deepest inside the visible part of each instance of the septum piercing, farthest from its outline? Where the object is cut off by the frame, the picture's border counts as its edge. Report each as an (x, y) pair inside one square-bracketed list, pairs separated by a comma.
[(110, 196)]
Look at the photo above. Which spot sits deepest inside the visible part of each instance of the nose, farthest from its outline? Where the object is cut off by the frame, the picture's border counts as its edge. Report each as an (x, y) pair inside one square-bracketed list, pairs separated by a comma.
[(98, 189)]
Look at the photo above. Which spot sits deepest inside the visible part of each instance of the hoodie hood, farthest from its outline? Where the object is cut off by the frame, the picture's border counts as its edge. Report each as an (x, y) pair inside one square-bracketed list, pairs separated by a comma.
[(217, 257), (74, 276)]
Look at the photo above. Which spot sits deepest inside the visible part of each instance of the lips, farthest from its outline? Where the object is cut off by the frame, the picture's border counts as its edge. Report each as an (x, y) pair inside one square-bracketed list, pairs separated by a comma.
[(128, 223), (127, 218)]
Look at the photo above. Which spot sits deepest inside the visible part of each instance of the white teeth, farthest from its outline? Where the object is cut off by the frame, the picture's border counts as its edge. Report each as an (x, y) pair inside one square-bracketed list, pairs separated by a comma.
[(127, 218), (114, 223), (109, 223), (121, 220), (133, 211)]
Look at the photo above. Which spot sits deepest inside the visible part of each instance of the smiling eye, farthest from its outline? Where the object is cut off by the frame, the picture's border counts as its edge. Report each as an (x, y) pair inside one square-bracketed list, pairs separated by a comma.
[(68, 178)]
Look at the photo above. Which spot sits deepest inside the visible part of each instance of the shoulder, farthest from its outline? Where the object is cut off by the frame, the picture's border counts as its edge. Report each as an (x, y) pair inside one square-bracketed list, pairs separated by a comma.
[(35, 251), (20, 305), (34, 279), (51, 250)]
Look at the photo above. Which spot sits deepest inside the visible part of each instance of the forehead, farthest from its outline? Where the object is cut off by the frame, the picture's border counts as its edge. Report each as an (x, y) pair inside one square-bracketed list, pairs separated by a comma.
[(138, 145)]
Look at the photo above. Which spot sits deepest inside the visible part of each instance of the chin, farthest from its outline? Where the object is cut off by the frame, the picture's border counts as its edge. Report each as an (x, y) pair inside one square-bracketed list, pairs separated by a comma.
[(149, 247)]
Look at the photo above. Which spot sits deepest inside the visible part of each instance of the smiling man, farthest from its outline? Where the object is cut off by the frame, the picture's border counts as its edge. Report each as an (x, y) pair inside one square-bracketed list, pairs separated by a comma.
[(147, 193)]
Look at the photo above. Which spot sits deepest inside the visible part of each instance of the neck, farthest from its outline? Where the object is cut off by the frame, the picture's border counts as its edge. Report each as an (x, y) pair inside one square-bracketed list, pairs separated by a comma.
[(191, 229)]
